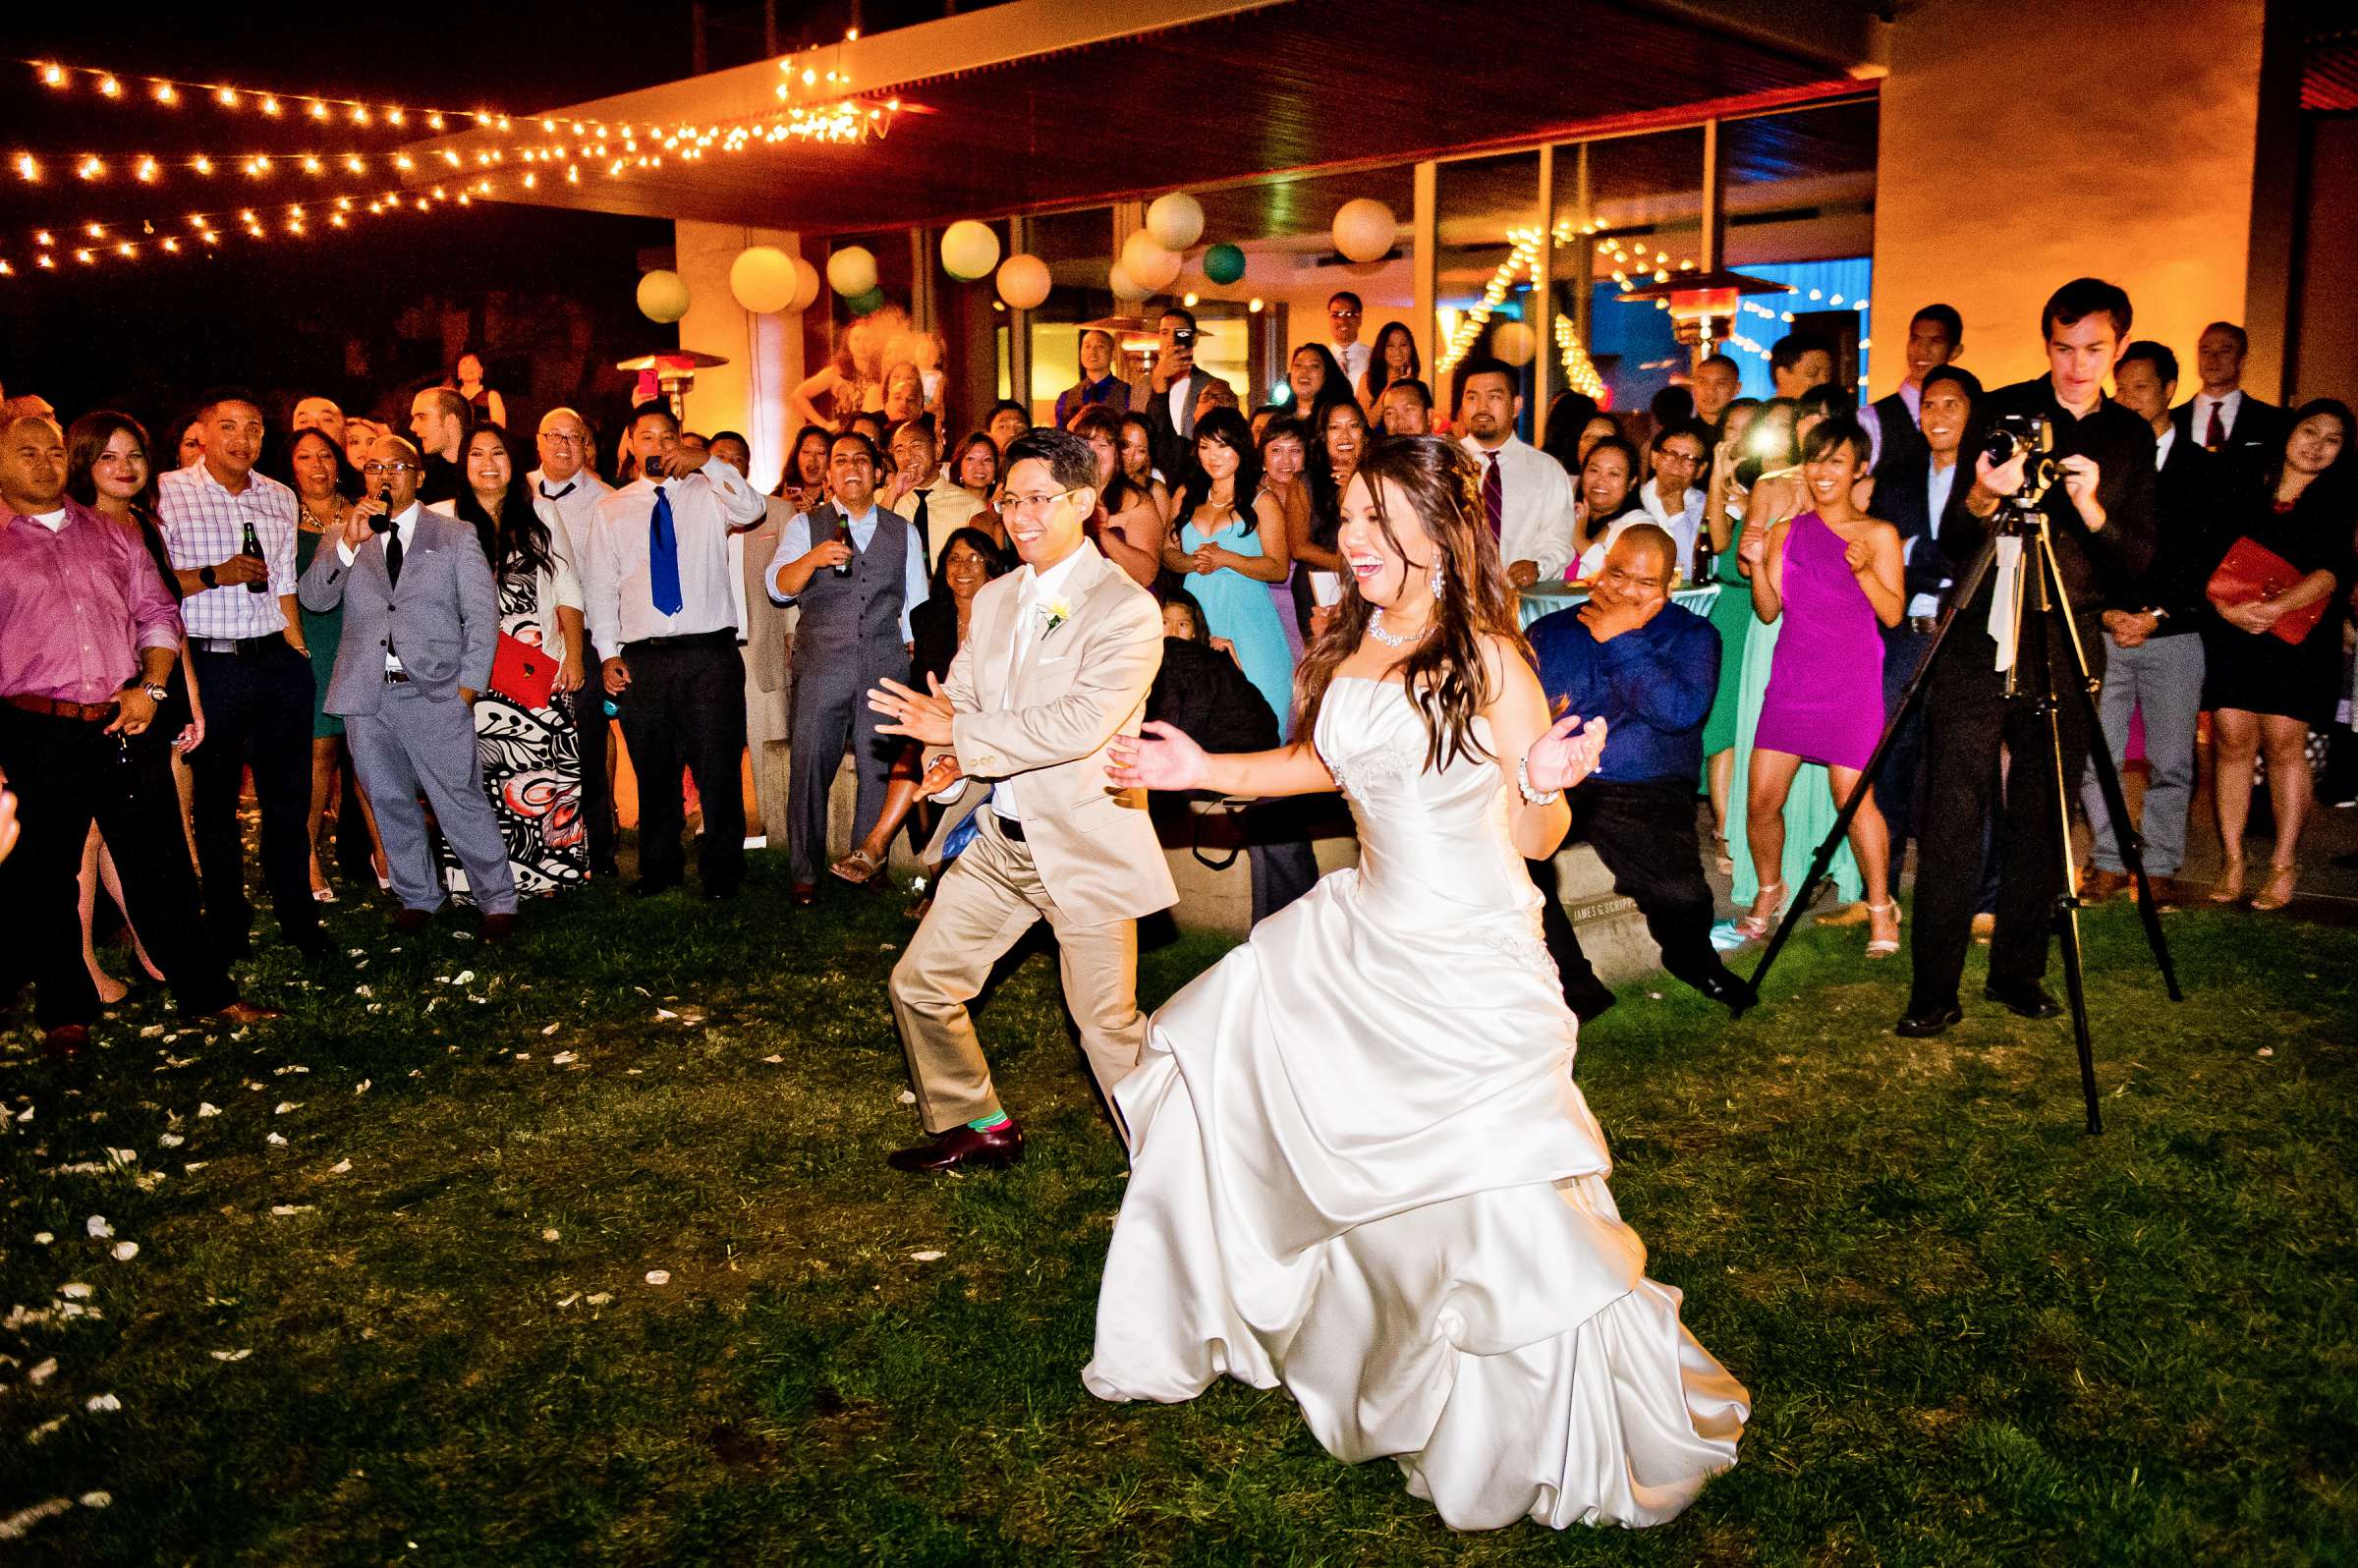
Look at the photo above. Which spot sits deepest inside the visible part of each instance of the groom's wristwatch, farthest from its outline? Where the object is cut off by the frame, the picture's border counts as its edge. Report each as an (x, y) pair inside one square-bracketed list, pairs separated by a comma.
[(1532, 797)]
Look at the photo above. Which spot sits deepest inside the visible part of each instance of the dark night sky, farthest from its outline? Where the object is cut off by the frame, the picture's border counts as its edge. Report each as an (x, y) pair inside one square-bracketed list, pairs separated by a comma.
[(149, 334)]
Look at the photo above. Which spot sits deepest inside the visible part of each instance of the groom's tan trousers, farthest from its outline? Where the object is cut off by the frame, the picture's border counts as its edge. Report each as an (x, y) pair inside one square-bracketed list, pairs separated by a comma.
[(981, 907)]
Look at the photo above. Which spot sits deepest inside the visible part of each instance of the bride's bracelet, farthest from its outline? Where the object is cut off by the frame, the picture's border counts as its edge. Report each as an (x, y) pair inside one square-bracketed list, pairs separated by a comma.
[(1532, 797)]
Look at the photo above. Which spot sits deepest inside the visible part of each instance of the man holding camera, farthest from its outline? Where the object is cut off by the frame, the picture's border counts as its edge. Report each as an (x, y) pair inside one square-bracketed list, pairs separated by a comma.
[(2098, 515), (1168, 393)]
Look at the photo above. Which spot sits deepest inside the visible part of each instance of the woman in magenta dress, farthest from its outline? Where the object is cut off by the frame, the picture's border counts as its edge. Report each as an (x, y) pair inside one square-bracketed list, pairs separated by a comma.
[(1835, 574)]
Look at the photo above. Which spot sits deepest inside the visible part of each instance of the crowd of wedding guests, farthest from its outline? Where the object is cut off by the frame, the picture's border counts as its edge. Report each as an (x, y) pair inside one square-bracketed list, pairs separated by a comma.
[(1762, 577)]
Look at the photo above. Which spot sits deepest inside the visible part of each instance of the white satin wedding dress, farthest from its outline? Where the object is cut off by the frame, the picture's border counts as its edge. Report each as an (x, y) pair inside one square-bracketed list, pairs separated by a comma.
[(1360, 1168)]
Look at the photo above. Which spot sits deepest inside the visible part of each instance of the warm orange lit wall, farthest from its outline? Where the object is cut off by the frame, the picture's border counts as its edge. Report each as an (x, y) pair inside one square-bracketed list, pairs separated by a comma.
[(765, 353), (2023, 146)]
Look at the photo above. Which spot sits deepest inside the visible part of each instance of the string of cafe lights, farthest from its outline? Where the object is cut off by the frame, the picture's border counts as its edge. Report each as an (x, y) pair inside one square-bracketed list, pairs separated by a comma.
[(1580, 372), (68, 248), (170, 92)]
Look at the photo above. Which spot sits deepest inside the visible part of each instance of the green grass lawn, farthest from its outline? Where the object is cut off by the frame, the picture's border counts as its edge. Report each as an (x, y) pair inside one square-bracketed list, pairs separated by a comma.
[(421, 1327)]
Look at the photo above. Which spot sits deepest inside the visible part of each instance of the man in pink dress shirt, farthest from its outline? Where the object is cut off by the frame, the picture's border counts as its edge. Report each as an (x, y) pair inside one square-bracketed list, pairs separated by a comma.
[(87, 635)]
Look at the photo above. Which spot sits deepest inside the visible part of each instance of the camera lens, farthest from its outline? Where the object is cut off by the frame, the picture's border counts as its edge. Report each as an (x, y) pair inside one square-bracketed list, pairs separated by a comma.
[(2000, 446)]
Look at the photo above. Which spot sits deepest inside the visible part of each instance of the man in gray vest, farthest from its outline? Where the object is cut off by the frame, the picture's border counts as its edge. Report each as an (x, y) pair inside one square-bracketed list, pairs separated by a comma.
[(856, 570)]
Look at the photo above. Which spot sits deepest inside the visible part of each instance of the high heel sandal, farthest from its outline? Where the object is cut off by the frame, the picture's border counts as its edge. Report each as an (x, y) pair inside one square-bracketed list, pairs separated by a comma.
[(1754, 926), (2268, 898), (2230, 884), (1883, 946)]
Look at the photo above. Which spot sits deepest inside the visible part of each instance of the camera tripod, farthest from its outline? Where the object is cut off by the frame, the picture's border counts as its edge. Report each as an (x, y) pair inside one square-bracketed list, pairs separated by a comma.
[(2041, 603)]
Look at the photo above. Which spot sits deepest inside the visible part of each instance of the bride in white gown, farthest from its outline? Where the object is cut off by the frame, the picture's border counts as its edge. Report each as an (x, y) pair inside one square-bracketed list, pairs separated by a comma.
[(1375, 1181)]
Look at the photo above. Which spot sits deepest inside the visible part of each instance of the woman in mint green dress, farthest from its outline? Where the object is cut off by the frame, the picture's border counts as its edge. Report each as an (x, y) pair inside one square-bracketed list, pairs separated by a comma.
[(1231, 545)]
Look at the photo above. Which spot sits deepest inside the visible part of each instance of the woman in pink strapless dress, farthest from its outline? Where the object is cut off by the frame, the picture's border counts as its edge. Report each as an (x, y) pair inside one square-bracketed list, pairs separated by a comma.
[(1834, 575)]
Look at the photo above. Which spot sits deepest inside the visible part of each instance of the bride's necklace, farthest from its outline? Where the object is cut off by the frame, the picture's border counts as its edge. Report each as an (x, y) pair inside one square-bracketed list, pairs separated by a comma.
[(1392, 639)]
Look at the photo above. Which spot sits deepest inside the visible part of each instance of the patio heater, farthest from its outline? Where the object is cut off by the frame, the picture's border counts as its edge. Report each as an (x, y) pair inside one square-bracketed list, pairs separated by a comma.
[(1702, 304), (674, 370)]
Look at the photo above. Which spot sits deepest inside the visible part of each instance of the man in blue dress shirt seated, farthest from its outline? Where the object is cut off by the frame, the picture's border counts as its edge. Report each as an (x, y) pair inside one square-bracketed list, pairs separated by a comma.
[(1650, 668)]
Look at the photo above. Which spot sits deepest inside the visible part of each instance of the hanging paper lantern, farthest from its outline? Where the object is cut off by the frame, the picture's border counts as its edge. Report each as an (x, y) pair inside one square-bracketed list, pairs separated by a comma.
[(1023, 281), (866, 303), (1224, 264), (1149, 264), (852, 270), (1365, 229), (662, 297), (1124, 286), (762, 279), (807, 285), (1514, 342), (969, 250), (1176, 221)]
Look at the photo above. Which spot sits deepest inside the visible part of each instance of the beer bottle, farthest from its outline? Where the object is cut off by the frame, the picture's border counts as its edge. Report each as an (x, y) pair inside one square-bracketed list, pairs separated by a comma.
[(843, 531), (253, 547)]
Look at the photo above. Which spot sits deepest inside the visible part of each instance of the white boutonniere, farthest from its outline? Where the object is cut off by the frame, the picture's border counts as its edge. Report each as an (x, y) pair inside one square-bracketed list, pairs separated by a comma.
[(1057, 612)]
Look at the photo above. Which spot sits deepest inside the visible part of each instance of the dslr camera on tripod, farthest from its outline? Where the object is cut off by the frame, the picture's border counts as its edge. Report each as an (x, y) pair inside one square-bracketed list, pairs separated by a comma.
[(2031, 433)]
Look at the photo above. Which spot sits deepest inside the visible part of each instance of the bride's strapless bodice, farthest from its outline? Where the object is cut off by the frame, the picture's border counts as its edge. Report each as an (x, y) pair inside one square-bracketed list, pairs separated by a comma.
[(1434, 847)]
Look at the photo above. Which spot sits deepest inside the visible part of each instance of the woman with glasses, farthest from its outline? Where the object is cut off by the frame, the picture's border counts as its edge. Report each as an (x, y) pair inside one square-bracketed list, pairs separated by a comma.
[(325, 487), (1231, 545), (530, 746)]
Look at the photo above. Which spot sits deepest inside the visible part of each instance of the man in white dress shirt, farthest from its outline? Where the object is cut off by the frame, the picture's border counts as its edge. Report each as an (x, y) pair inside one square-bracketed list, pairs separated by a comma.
[(2223, 419), (1525, 493), (856, 570), (663, 611), (1343, 314), (566, 491), (921, 490)]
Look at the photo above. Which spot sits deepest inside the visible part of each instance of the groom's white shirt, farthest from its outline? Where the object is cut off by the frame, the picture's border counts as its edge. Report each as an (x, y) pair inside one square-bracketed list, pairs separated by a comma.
[(1036, 589)]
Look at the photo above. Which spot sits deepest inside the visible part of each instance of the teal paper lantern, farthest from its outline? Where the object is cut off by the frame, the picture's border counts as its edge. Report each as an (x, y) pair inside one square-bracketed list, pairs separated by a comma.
[(1223, 263), (867, 304)]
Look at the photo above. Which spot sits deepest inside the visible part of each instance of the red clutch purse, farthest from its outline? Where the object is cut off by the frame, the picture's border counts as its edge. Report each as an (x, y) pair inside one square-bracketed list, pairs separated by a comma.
[(522, 673), (2253, 571)]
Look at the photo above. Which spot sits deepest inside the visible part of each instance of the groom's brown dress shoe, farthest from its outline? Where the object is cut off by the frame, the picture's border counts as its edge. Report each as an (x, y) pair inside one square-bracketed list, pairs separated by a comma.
[(962, 1146)]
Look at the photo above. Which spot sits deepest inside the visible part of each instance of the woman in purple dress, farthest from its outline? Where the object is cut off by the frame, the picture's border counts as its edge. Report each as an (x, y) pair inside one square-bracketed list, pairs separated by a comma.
[(1835, 574)]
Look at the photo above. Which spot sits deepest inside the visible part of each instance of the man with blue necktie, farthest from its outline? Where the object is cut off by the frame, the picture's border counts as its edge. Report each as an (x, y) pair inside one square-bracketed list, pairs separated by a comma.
[(662, 609)]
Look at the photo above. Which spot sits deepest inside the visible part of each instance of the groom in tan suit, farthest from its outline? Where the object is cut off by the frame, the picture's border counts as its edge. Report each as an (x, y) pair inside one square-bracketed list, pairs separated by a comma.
[(1057, 662)]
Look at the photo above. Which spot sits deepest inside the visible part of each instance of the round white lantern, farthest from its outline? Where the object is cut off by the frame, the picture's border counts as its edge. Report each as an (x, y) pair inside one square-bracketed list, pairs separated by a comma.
[(762, 279), (1023, 281), (662, 297), (852, 271), (969, 250), (1149, 264), (1176, 221), (1365, 229)]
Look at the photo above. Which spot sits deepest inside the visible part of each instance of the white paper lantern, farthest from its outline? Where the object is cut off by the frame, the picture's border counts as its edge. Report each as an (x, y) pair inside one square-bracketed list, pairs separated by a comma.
[(662, 297), (969, 250), (1149, 264), (807, 284), (1023, 281), (852, 271), (1365, 229), (1514, 342), (1124, 286), (762, 279), (1176, 221)]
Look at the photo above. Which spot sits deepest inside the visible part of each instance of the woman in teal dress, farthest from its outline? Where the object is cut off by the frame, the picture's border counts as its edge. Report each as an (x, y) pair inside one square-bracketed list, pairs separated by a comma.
[(324, 487), (1231, 545)]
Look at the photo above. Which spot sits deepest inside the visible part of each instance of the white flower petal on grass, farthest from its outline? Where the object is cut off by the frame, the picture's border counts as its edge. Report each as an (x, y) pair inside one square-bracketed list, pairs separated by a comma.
[(665, 1012), (152, 1032), (98, 1499), (363, 991), (569, 1300), (601, 1298), (44, 1237), (2268, 1050), (207, 1108), (278, 1138), (552, 1029), (170, 1139), (286, 1105), (14, 1527), (101, 1402), (906, 1096), (773, 1056), (524, 1057), (562, 1059), (461, 977), (126, 1251), (44, 1372), (229, 1355), (659, 1276), (340, 1167), (45, 1430), (928, 1256), (282, 1211), (195, 1165), (98, 1228), (361, 1088)]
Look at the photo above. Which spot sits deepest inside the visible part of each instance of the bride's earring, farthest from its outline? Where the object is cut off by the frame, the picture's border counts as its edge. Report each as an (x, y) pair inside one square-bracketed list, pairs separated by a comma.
[(1436, 580)]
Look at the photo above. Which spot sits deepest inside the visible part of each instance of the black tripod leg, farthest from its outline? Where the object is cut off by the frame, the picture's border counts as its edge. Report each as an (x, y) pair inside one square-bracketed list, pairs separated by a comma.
[(2130, 843), (1909, 702), (2038, 629)]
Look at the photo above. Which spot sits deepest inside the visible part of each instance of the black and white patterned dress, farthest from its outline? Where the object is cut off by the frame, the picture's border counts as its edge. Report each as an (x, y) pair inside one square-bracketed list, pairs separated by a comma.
[(531, 763)]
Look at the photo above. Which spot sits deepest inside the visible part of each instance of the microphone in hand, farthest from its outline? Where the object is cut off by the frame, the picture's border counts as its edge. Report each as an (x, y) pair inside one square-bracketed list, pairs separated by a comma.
[(381, 520)]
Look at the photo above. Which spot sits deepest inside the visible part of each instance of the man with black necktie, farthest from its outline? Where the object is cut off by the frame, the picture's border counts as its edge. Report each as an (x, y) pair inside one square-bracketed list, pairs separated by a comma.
[(921, 490), (566, 491), (663, 611), (2223, 419)]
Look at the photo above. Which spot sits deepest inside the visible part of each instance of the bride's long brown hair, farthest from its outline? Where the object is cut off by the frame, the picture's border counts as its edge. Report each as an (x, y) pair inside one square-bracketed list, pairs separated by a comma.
[(1444, 674)]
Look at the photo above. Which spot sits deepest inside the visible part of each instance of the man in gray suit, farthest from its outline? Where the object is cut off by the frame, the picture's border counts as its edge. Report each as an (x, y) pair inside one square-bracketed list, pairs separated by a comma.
[(1167, 394), (420, 622)]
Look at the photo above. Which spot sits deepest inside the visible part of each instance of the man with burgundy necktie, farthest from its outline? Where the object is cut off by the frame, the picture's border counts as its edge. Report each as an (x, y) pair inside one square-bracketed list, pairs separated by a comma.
[(663, 611), (1526, 493), (2241, 433)]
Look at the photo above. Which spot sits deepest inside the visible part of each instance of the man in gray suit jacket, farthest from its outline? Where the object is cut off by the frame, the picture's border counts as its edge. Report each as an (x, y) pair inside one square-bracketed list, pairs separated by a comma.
[(1171, 417), (420, 622)]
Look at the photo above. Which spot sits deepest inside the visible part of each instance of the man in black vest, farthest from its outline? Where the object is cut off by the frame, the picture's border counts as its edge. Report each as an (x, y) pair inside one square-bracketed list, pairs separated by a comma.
[(1936, 336), (856, 570)]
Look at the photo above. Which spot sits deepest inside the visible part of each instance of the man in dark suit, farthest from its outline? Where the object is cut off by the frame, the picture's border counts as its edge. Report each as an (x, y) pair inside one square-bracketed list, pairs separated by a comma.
[(1935, 334), (1911, 491), (2154, 625), (1168, 393), (2223, 419)]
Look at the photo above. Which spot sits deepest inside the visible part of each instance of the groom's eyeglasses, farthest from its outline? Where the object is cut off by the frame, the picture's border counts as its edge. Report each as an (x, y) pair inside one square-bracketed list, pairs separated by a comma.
[(1010, 505)]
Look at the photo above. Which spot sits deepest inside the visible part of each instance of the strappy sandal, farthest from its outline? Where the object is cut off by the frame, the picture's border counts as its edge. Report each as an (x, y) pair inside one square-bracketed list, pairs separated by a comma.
[(2268, 898), (859, 868), (2230, 884), (1883, 946), (1754, 926)]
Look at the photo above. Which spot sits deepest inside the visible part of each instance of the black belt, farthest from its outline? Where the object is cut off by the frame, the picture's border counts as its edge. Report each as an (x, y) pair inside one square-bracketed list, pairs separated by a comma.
[(1009, 827), (726, 635), (1921, 625), (241, 647)]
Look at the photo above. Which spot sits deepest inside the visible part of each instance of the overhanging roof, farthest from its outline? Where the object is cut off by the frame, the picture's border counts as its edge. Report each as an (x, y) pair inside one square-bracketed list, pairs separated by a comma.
[(1042, 104)]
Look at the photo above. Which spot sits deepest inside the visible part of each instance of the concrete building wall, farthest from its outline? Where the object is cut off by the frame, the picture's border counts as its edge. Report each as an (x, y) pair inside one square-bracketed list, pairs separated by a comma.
[(2025, 146), (764, 352)]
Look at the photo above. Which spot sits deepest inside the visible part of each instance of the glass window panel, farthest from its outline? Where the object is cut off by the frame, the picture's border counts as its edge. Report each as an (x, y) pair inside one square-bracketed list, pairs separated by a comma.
[(1487, 226)]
